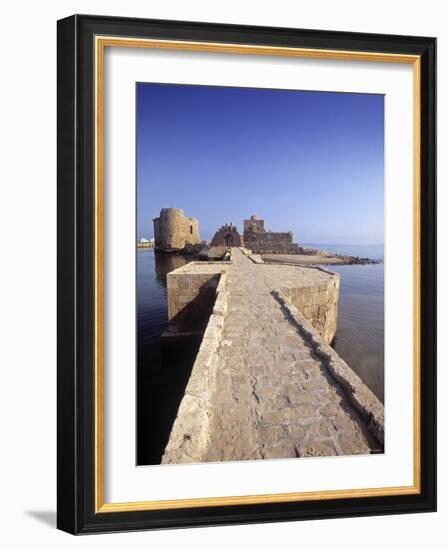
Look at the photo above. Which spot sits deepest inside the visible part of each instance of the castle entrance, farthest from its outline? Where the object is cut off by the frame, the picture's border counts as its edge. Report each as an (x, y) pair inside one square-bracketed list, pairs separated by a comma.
[(229, 240), (227, 235)]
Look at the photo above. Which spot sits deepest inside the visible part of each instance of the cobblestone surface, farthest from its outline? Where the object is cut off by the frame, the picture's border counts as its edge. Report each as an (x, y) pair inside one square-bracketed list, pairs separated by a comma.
[(274, 397)]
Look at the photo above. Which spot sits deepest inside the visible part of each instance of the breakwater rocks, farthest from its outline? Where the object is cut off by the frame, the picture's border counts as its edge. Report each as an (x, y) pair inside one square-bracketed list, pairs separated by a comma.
[(316, 258), (356, 260)]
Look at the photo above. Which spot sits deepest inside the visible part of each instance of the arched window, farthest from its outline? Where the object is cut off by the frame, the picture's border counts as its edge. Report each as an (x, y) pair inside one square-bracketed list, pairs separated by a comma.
[(191, 230)]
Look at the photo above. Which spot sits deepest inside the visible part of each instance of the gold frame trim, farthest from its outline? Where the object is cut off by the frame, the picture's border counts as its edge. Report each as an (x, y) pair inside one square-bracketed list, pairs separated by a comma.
[(101, 42)]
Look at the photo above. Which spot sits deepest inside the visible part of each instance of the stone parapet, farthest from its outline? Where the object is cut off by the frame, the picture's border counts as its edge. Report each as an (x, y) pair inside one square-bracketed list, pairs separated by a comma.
[(190, 435), (363, 399), (319, 305), (191, 293)]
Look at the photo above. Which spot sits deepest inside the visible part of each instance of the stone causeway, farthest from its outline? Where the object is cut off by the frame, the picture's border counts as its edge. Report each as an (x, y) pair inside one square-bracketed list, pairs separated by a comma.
[(266, 383)]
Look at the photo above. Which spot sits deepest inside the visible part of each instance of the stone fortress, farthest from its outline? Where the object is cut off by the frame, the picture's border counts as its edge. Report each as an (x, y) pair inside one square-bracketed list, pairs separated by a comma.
[(260, 241), (228, 236), (174, 232), (256, 238)]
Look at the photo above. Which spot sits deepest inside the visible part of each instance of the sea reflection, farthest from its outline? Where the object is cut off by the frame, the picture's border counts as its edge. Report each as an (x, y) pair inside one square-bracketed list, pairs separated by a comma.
[(165, 263), (162, 370)]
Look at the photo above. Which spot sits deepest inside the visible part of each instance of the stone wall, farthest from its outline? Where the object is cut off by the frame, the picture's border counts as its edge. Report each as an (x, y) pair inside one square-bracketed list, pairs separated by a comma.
[(360, 396), (273, 247), (173, 231), (268, 237), (190, 435), (227, 235), (191, 295), (255, 224), (270, 242), (319, 305)]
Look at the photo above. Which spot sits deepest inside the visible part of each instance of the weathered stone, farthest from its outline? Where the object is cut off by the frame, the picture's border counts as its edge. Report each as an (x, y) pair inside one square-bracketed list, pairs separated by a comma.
[(296, 395), (296, 431), (227, 236), (353, 443), (332, 409), (274, 417), (316, 448), (322, 429), (318, 383), (173, 231), (303, 412), (189, 433), (283, 450), (271, 435), (344, 423), (258, 240)]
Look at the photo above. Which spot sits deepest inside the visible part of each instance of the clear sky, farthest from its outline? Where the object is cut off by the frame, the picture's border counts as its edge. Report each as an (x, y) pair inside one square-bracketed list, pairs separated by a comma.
[(307, 162)]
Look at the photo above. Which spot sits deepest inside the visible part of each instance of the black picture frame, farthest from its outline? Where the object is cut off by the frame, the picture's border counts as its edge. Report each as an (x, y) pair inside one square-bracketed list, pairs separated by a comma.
[(76, 255)]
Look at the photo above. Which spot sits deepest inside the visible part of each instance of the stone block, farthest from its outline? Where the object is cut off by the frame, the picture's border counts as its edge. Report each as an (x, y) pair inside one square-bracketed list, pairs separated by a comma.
[(285, 449), (353, 443), (297, 431), (319, 430), (313, 448), (331, 409)]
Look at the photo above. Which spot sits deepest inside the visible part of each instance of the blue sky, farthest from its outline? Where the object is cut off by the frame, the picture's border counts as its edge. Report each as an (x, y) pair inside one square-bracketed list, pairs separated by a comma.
[(309, 162)]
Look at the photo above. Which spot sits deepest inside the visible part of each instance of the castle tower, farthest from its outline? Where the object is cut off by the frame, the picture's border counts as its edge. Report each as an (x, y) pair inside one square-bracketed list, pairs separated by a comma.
[(255, 224), (173, 230), (261, 241)]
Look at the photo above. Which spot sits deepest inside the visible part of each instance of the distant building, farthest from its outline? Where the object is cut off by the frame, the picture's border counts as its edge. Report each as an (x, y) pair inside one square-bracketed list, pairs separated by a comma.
[(255, 224), (260, 241), (173, 231), (145, 243), (227, 235)]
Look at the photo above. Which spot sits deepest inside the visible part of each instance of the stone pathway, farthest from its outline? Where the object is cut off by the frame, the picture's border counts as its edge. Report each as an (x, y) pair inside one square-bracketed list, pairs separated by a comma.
[(274, 397)]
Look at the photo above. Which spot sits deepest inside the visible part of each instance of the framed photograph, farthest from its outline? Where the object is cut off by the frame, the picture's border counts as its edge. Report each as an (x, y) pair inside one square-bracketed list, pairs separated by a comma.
[(246, 274)]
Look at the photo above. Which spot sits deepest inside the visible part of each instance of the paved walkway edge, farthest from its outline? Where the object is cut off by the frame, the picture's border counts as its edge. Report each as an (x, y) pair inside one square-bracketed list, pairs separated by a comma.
[(190, 434), (363, 399)]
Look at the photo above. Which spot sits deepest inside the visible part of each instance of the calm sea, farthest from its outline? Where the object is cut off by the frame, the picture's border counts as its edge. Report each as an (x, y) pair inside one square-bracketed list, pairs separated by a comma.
[(163, 371)]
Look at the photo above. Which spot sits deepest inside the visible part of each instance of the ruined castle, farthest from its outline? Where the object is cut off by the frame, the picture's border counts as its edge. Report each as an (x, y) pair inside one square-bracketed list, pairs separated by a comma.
[(227, 235), (173, 231), (256, 238), (260, 241)]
